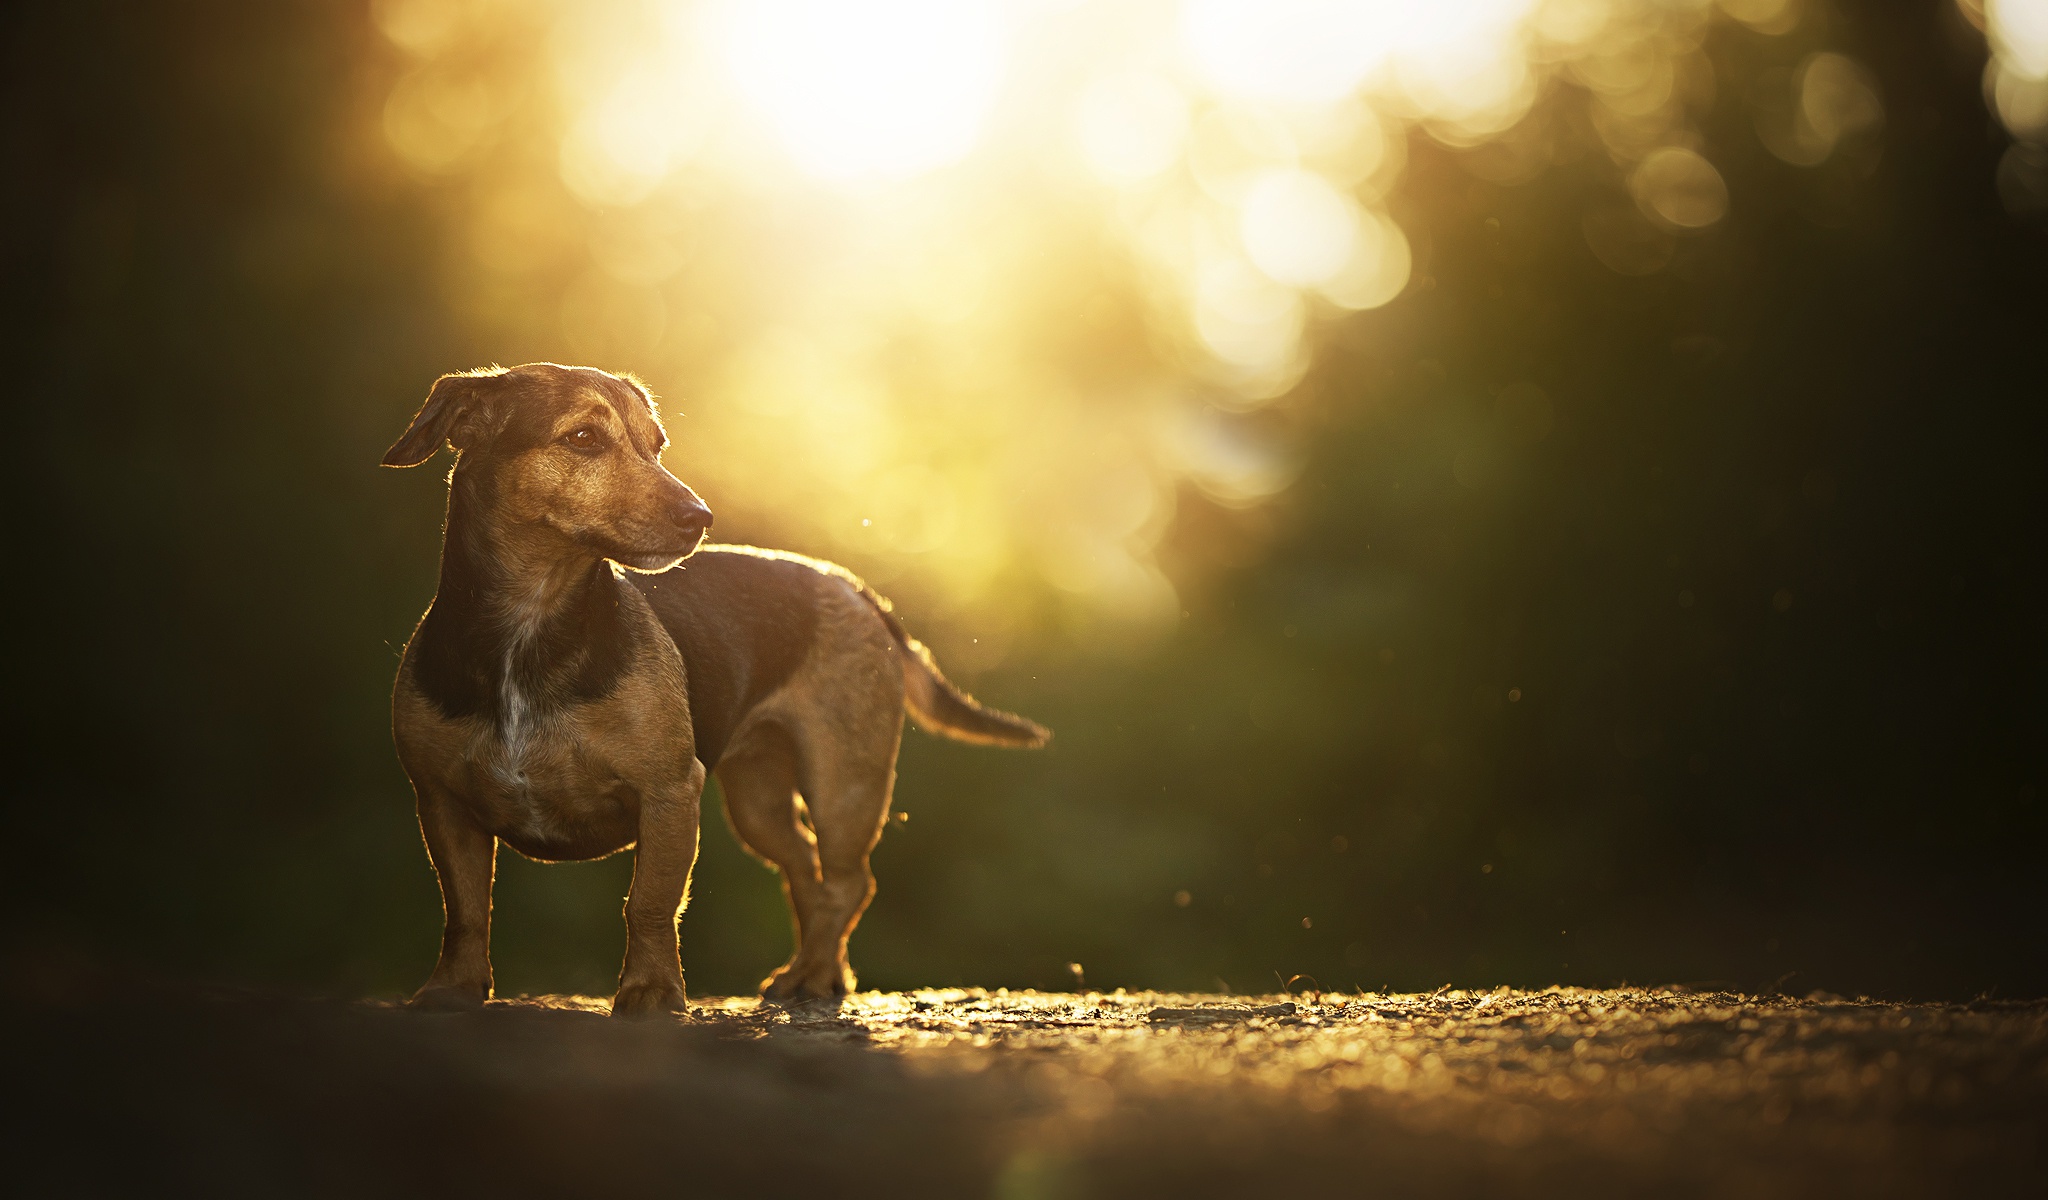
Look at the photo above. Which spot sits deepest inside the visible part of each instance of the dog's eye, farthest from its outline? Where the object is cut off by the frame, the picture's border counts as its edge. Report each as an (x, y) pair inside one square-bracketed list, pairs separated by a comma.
[(584, 438)]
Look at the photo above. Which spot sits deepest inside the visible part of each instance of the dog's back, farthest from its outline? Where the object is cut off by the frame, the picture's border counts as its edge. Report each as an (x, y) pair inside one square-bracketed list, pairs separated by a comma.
[(746, 618)]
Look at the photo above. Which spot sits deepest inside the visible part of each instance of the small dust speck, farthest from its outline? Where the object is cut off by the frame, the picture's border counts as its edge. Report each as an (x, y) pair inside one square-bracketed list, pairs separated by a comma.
[(1183, 898), (1307, 923)]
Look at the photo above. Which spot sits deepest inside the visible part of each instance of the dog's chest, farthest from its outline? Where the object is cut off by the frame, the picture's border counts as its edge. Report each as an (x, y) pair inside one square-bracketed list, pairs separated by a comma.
[(554, 782), (543, 780), (550, 758)]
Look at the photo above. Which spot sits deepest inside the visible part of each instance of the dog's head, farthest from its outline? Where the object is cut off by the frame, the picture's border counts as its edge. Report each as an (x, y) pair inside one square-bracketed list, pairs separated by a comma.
[(573, 450)]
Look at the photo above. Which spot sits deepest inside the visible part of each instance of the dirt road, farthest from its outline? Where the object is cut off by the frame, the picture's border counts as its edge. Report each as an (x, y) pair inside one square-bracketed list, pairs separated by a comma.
[(1022, 1096)]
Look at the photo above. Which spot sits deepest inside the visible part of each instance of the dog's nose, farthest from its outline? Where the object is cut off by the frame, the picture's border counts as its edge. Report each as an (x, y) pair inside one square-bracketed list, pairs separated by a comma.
[(690, 515)]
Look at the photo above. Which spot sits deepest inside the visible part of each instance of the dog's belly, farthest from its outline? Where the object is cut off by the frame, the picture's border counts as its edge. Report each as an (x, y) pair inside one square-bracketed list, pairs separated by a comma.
[(551, 799)]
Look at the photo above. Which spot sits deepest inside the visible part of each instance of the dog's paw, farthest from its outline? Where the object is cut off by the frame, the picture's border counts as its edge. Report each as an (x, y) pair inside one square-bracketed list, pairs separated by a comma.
[(793, 985), (659, 998), (442, 997)]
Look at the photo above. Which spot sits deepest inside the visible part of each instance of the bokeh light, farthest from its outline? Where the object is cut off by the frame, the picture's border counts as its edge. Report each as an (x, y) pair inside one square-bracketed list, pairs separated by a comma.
[(882, 89), (2016, 89), (1679, 188), (965, 292)]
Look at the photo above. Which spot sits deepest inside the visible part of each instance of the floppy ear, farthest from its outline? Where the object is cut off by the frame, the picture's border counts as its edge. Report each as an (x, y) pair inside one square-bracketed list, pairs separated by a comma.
[(453, 397)]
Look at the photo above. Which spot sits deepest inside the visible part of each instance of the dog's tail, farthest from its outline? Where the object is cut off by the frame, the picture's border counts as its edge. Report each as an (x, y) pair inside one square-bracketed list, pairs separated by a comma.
[(940, 707)]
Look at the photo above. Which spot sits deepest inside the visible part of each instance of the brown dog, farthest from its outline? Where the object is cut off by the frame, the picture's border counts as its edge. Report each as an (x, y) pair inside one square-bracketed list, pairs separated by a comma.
[(570, 709)]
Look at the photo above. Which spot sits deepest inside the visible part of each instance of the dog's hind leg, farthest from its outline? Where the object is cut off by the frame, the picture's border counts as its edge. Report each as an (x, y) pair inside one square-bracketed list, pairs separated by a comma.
[(843, 713), (848, 796), (759, 781)]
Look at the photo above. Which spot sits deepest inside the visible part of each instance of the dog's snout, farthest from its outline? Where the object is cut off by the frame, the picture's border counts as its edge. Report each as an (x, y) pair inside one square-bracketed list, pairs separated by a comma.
[(690, 514)]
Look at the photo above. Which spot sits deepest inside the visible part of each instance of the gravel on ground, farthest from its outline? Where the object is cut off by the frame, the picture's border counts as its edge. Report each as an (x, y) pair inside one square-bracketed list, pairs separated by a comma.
[(1038, 1096)]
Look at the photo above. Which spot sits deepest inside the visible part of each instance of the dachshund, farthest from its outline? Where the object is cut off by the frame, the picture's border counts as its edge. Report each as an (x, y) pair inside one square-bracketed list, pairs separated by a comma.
[(587, 660)]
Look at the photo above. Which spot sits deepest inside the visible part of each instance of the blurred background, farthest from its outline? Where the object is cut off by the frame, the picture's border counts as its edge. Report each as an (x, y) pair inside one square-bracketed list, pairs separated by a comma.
[(1504, 491)]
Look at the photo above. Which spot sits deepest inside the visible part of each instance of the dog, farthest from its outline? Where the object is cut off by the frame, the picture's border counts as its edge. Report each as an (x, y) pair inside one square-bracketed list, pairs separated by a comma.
[(587, 660)]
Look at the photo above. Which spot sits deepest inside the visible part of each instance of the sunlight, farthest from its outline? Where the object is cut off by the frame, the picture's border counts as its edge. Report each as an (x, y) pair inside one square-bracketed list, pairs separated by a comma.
[(1132, 126), (626, 143), (964, 291), (866, 91), (1305, 51)]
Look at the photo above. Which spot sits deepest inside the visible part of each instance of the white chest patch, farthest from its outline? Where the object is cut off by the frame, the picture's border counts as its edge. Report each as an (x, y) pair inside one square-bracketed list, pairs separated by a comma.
[(515, 720), (515, 728)]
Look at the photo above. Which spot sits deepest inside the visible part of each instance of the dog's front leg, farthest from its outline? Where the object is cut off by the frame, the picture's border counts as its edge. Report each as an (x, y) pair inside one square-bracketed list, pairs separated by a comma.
[(651, 983), (465, 859)]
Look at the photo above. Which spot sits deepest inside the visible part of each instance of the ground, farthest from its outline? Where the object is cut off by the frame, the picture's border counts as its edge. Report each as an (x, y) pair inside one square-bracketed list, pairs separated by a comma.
[(1033, 1096)]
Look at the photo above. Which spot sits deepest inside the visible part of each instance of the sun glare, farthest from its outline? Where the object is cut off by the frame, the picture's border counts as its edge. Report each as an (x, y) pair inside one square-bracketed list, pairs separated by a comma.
[(877, 90), (969, 290)]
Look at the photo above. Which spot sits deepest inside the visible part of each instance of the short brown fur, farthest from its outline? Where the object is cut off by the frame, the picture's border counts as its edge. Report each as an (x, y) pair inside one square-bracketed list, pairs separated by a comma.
[(544, 700)]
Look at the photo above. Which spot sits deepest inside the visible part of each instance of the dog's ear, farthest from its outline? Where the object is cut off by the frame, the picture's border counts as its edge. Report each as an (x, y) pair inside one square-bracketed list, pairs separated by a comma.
[(445, 417)]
